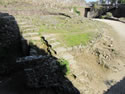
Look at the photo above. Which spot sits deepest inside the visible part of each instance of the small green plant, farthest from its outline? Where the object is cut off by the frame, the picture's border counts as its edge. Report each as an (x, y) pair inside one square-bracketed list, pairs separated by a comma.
[(65, 66), (108, 14), (76, 11), (103, 17)]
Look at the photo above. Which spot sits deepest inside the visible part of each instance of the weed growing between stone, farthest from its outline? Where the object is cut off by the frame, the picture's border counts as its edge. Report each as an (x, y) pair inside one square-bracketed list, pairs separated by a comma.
[(65, 65)]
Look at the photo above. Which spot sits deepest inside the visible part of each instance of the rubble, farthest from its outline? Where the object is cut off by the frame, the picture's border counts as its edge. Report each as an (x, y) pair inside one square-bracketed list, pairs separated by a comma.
[(104, 49)]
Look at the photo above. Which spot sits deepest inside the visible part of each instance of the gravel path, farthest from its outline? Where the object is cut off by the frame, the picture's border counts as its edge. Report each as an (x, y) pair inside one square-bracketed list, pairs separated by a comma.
[(119, 87), (119, 27)]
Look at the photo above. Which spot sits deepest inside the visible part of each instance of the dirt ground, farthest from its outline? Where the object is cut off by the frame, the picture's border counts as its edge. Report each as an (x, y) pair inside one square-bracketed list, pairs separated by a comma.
[(87, 75), (119, 37), (95, 79)]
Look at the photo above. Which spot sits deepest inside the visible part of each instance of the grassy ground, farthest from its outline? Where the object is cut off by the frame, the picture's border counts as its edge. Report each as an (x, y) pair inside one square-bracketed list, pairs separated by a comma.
[(77, 39), (65, 65), (70, 32)]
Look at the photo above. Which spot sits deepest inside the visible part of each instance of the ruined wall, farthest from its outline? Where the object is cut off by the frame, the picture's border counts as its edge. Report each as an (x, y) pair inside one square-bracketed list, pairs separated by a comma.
[(120, 11), (10, 43), (60, 3), (116, 11)]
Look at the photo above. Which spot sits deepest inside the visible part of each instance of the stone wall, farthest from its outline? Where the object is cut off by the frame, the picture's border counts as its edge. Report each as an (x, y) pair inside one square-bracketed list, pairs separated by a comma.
[(10, 43), (120, 11), (60, 3), (116, 11)]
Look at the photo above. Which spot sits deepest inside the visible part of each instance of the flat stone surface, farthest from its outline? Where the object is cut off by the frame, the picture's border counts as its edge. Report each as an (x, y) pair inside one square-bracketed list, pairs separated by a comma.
[(49, 35), (60, 49), (55, 44), (27, 26), (30, 29), (30, 34), (33, 38), (22, 23), (8, 17), (52, 40), (67, 56)]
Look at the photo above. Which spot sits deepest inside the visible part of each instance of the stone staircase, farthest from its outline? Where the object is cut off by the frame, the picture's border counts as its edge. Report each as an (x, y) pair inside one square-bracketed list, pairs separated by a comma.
[(82, 76), (30, 33), (62, 52), (28, 30)]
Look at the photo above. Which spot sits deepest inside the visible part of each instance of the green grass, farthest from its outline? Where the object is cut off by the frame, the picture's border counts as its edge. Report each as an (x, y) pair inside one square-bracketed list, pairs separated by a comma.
[(76, 11), (65, 66), (70, 32), (59, 24), (62, 25), (77, 39)]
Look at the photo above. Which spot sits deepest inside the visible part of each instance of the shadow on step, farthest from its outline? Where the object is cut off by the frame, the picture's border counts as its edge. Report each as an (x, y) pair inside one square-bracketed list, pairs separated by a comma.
[(118, 88), (24, 71)]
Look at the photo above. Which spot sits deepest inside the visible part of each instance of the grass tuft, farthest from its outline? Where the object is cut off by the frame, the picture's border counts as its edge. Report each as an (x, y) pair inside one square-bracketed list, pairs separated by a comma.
[(65, 66)]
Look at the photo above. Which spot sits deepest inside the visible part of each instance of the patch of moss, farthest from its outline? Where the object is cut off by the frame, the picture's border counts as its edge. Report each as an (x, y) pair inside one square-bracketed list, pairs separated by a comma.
[(65, 66)]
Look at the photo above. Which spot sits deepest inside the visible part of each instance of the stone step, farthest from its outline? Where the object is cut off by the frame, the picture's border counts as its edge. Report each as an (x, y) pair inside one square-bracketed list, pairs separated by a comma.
[(48, 35), (60, 50), (36, 38), (4, 14), (27, 26), (20, 20), (67, 56), (30, 34), (29, 30), (22, 23), (9, 17), (54, 44), (52, 40)]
